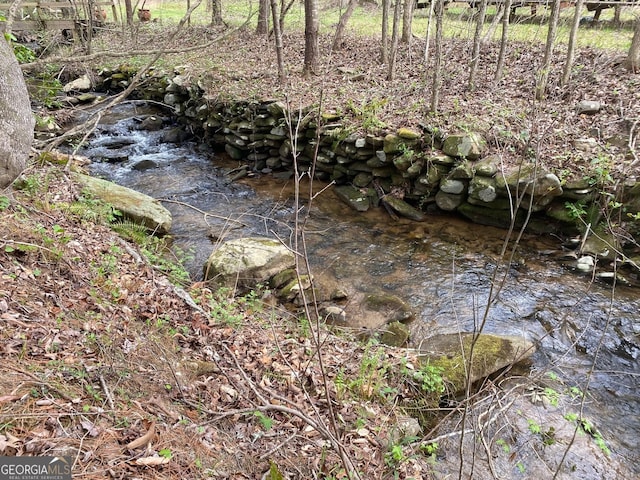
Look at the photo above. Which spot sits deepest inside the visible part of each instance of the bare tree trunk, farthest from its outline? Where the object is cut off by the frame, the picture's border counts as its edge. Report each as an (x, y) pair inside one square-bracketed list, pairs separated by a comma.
[(407, 21), (311, 49), (128, 9), (571, 48), (633, 58), (284, 9), (617, 12), (282, 77), (216, 12), (262, 28), (342, 25), (477, 37), (428, 35), (394, 39), (437, 68), (503, 41), (543, 73), (384, 47), (16, 119)]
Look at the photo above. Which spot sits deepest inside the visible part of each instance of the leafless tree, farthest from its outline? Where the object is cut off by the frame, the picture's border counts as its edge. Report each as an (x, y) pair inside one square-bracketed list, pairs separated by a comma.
[(394, 39), (477, 38), (633, 58), (543, 73), (571, 48), (407, 20), (311, 49), (384, 45), (262, 28), (216, 12), (503, 40), (278, 39), (342, 24), (437, 68)]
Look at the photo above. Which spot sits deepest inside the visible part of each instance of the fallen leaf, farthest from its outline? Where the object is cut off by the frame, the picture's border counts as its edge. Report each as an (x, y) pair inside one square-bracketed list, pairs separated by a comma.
[(143, 440), (90, 427)]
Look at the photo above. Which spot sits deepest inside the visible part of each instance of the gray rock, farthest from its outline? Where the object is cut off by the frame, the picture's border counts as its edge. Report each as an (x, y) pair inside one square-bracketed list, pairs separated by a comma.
[(82, 84), (354, 197), (450, 185), (246, 262), (448, 201), (483, 189), (588, 107), (137, 206), (403, 209), (465, 145), (491, 353)]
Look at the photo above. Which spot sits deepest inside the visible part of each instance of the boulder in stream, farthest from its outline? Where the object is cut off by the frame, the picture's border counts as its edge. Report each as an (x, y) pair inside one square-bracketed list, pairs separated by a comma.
[(137, 206), (491, 353), (246, 262)]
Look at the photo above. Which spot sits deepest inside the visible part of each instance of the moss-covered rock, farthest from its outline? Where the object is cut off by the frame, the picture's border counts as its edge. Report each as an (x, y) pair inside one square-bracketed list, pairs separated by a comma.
[(395, 334), (491, 353), (465, 145), (246, 262)]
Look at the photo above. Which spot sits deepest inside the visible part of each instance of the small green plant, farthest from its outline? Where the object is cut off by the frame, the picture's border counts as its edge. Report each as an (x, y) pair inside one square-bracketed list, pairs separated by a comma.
[(576, 209), (165, 453), (430, 449), (502, 443), (430, 378), (534, 427), (265, 422), (4, 203), (588, 428), (394, 456)]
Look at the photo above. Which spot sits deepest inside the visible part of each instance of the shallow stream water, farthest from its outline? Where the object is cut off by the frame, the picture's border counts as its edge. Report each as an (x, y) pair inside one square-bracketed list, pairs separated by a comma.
[(443, 267)]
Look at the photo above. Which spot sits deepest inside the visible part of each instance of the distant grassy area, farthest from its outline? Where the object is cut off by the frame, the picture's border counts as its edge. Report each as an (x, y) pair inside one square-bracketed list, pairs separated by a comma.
[(459, 22)]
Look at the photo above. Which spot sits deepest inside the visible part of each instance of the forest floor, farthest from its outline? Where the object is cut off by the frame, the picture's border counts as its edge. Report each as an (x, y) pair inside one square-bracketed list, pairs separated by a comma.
[(104, 360)]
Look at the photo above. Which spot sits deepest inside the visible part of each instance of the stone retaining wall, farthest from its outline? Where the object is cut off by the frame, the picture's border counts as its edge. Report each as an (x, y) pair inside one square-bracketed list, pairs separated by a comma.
[(410, 171)]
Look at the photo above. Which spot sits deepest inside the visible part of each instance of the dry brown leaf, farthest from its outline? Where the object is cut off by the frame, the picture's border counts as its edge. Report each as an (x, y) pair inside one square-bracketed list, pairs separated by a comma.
[(143, 440), (9, 398)]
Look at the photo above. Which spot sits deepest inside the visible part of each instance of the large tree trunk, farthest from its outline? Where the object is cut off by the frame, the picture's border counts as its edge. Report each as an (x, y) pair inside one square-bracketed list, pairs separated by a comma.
[(342, 25), (384, 46), (633, 58), (128, 8), (407, 21), (543, 73), (263, 18), (571, 48), (216, 12), (16, 119), (311, 49)]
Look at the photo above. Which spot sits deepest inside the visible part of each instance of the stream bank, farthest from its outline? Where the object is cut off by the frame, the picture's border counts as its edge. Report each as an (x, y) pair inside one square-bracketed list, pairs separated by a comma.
[(441, 266)]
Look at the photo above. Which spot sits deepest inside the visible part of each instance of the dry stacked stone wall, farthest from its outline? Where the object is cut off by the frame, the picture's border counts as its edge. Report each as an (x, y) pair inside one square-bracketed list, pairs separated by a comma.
[(411, 171)]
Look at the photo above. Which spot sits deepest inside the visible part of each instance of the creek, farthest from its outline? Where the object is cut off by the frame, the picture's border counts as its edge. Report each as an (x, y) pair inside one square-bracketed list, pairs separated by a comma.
[(443, 267)]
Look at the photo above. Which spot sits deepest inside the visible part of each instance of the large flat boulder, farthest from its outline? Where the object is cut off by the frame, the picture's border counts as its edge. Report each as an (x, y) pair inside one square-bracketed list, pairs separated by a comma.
[(137, 206), (246, 262), (491, 353)]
